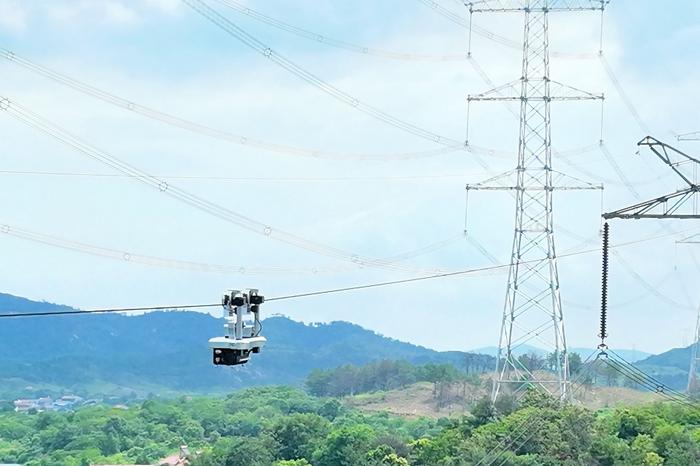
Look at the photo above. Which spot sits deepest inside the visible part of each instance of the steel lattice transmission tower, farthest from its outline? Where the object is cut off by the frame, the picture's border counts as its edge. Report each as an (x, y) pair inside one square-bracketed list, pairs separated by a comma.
[(533, 309)]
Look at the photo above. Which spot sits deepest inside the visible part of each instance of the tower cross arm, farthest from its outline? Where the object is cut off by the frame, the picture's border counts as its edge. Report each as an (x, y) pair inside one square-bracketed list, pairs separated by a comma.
[(505, 6), (664, 207), (557, 92), (677, 160), (508, 182)]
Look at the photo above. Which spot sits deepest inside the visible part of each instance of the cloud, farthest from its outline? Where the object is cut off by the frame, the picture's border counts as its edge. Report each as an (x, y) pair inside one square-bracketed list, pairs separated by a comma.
[(117, 12), (83, 11), (165, 6), (13, 16)]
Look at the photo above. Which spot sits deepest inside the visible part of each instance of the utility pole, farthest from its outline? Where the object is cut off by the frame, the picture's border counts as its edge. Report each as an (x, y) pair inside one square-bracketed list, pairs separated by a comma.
[(533, 309), (680, 205)]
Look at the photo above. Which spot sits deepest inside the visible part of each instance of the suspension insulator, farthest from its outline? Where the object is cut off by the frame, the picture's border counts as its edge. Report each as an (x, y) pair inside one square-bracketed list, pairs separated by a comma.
[(604, 291)]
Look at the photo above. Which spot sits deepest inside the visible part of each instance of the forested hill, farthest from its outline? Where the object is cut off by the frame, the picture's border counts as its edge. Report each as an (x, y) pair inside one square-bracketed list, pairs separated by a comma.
[(670, 367), (162, 352)]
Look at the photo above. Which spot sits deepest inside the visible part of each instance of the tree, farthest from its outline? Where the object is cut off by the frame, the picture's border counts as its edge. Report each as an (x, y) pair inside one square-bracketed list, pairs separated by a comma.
[(506, 404), (301, 462), (394, 442), (298, 435), (440, 375), (318, 382), (346, 446), (532, 361), (610, 374), (537, 398), (575, 363), (239, 451), (642, 452), (483, 412), (330, 409), (676, 445)]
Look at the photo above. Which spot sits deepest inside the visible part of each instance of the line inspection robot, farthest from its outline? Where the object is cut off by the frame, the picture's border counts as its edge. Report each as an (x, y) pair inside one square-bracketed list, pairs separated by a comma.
[(242, 328)]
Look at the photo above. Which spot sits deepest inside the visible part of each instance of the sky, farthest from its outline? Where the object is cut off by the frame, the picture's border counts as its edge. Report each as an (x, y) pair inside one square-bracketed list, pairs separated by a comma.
[(163, 55)]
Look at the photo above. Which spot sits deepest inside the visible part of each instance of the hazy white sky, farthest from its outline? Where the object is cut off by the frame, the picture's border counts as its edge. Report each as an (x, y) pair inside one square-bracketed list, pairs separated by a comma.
[(161, 54)]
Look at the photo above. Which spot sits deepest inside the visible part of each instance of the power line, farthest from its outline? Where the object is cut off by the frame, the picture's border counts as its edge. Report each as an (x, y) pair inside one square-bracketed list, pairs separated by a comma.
[(609, 181), (131, 257), (278, 298), (601, 146), (105, 311), (325, 40), (329, 179), (623, 95), (209, 131), (388, 283), (639, 377), (648, 286), (41, 124), (490, 35), (204, 130), (491, 268), (620, 173), (201, 7)]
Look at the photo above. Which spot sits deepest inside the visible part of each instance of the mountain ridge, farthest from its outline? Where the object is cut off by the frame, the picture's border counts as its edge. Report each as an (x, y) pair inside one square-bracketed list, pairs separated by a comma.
[(166, 351)]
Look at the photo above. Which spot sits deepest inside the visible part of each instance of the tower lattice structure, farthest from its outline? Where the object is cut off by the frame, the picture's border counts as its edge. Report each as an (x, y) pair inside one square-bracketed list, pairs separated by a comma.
[(533, 312)]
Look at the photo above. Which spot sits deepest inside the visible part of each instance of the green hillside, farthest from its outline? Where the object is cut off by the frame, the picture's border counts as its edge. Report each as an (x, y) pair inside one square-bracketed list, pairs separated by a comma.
[(166, 352), (282, 426)]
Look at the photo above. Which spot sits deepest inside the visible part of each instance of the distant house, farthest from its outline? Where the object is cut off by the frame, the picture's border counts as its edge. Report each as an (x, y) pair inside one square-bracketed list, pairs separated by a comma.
[(65, 403), (45, 403), (24, 405)]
